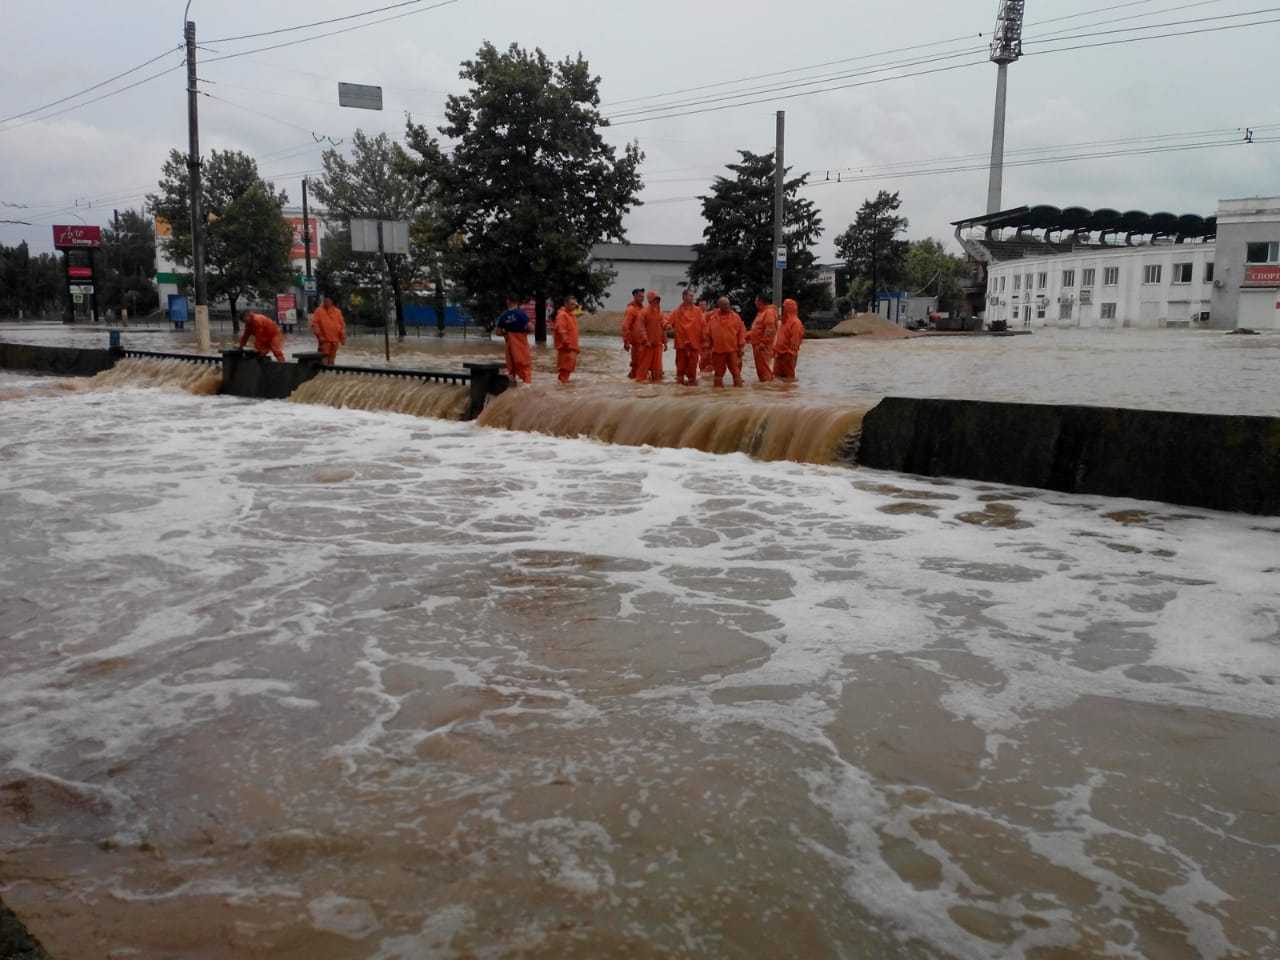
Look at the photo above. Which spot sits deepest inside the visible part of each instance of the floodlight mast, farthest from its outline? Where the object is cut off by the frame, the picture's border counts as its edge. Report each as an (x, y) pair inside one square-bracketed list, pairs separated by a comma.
[(1006, 47)]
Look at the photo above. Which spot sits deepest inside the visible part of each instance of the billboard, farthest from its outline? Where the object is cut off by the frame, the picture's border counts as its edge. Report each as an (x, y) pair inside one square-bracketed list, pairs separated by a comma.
[(299, 250), (71, 236)]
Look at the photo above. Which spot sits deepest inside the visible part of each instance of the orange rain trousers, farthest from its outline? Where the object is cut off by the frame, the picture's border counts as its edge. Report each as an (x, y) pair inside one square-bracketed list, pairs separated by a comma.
[(330, 350), (784, 366), (633, 338), (566, 340), (787, 345), (519, 360), (764, 328), (763, 357), (730, 361), (687, 359)]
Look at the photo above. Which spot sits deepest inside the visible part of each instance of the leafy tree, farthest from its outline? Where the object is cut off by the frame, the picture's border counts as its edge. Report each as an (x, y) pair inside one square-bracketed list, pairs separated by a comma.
[(377, 183), (247, 241), (928, 269), (736, 258), (530, 185), (871, 246), (127, 265), (33, 285)]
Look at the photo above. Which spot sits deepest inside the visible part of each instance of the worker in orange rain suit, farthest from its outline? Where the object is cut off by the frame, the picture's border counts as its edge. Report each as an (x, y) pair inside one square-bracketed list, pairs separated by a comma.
[(691, 333), (566, 338), (330, 329), (633, 338), (764, 328), (728, 339), (786, 348), (705, 364), (655, 332), (267, 338), (514, 325)]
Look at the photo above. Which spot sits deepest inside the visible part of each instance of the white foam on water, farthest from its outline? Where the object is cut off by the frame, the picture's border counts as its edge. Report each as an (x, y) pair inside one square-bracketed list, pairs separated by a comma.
[(353, 919), (291, 595)]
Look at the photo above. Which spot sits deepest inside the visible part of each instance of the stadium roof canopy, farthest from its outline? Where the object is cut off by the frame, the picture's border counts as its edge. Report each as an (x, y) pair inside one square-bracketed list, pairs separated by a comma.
[(1188, 226)]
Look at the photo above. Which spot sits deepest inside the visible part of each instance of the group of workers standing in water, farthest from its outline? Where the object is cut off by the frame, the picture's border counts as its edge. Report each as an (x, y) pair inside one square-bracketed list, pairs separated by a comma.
[(707, 339)]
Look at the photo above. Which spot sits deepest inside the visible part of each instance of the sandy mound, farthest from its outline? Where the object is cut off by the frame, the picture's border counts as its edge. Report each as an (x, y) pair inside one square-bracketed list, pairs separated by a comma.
[(870, 325), (609, 321)]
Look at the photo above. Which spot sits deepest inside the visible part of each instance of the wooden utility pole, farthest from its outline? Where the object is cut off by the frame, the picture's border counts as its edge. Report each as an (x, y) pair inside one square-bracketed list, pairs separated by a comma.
[(193, 178)]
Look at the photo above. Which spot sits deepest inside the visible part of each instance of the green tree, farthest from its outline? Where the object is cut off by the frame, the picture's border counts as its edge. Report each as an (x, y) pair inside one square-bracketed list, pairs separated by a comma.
[(30, 285), (870, 246), (377, 183), (929, 270), (736, 257), (247, 241), (127, 265), (530, 185)]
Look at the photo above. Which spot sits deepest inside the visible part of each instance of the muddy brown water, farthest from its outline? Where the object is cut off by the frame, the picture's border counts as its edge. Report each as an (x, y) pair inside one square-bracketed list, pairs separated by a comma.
[(286, 680)]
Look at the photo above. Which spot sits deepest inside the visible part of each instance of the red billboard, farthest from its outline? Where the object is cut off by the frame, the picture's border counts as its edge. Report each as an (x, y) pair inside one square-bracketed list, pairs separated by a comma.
[(75, 235), (299, 251), (1262, 276), (79, 272)]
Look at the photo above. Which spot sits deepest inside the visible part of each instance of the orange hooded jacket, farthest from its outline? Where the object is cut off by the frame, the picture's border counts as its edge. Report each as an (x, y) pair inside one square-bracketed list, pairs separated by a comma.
[(791, 332), (328, 325), (764, 328), (566, 331), (726, 331), (690, 326)]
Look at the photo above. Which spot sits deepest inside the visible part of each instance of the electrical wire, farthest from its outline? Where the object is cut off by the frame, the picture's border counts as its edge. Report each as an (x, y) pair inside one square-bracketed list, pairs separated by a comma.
[(318, 23), (96, 86), (331, 33), (79, 106)]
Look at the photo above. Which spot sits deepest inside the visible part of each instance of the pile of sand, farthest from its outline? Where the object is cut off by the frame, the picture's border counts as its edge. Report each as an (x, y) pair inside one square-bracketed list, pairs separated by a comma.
[(870, 325)]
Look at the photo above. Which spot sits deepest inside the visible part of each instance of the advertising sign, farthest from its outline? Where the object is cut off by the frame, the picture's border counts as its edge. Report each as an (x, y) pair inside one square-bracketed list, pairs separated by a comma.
[(179, 308), (286, 308), (299, 250), (1259, 276), (80, 272), (67, 237)]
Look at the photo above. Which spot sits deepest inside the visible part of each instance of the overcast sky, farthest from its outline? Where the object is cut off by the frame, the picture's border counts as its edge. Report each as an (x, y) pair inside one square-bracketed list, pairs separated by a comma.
[(108, 154)]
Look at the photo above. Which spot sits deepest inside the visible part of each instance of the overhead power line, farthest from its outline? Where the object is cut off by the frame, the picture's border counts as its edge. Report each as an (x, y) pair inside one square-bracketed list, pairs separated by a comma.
[(319, 23), (101, 83), (98, 99), (331, 33)]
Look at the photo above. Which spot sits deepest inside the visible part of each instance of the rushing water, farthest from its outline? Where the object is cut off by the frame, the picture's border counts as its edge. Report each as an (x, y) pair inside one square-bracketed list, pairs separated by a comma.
[(284, 680), (1197, 371)]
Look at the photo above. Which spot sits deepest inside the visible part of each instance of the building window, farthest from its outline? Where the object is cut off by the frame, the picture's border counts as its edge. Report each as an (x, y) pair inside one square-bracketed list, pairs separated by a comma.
[(1042, 280), (1108, 311), (1002, 284), (1017, 281), (1208, 272), (1110, 276), (1040, 310), (1086, 277), (1262, 253), (1068, 278), (1151, 273), (1029, 279), (1182, 273)]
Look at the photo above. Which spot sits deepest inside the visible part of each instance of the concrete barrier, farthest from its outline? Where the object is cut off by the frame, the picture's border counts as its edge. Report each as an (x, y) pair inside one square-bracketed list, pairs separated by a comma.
[(61, 361), (1200, 460)]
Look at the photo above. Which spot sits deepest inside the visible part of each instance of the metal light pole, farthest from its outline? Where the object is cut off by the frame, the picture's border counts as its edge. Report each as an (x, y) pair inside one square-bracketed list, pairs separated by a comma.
[(1006, 48), (193, 177), (779, 210)]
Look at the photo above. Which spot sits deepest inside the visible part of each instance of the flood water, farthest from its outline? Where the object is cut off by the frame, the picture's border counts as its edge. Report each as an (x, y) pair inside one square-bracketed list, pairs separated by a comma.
[(292, 681)]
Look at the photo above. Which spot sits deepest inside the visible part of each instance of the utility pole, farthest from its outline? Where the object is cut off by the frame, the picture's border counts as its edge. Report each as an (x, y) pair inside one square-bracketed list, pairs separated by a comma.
[(193, 177), (306, 247), (382, 305), (779, 210)]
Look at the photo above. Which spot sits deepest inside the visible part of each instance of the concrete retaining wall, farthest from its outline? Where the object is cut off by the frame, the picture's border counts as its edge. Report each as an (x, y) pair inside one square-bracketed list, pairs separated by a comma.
[(1201, 460), (62, 361)]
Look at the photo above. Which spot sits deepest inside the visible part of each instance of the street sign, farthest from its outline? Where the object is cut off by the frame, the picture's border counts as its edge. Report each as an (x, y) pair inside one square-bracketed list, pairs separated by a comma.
[(360, 96), (309, 285), (780, 258), (395, 236)]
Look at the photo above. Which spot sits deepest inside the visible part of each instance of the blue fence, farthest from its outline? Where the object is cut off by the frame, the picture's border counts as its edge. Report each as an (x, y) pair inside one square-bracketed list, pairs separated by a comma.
[(420, 315)]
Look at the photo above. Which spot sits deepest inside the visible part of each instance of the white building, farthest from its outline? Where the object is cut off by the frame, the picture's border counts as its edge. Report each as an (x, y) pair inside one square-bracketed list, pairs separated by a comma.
[(1102, 269), (663, 267)]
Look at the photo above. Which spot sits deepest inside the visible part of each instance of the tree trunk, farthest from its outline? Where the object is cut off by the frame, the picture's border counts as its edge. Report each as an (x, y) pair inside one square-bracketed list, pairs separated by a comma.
[(396, 295), (232, 300), (539, 316), (440, 304)]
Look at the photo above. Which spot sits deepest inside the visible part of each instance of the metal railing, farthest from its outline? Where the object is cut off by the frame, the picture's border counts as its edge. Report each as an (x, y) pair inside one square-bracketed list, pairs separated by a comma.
[(435, 376), (155, 355)]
